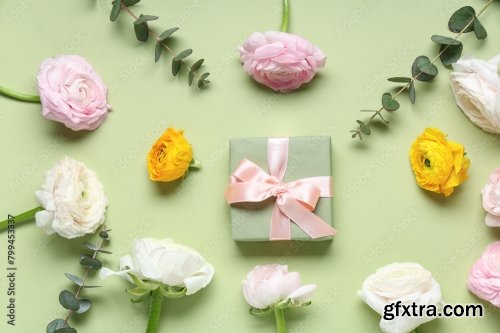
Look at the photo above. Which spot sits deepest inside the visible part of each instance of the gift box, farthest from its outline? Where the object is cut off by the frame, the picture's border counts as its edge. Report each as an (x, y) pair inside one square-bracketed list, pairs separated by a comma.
[(280, 189)]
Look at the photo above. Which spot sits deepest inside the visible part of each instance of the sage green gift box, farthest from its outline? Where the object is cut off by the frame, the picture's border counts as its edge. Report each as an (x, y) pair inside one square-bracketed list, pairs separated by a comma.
[(308, 156)]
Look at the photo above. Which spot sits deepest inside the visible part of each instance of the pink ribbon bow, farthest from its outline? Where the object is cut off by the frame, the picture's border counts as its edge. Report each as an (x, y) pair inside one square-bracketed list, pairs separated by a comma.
[(295, 200)]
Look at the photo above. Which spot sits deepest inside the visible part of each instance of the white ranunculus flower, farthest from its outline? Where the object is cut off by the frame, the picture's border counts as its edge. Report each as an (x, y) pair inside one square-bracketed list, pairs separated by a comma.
[(73, 198), (166, 262), (476, 86), (268, 285), (407, 283)]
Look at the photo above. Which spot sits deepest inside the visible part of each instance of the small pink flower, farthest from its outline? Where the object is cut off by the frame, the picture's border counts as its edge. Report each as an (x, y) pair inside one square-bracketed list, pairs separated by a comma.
[(72, 93), (484, 277), (280, 60), (270, 284), (491, 199)]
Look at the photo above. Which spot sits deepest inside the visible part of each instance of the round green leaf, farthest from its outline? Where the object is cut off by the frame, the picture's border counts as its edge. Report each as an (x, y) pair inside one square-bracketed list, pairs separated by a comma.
[(443, 40), (461, 18), (423, 70), (91, 263), (66, 330), (85, 305), (55, 325), (389, 103), (479, 30), (450, 53), (68, 300)]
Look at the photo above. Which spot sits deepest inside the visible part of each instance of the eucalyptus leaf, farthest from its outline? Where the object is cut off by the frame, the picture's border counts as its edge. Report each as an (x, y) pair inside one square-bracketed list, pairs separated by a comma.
[(75, 279), (365, 128), (389, 103), (411, 93), (197, 65), (91, 263), (449, 54), (68, 300), (85, 305), (479, 29), (461, 19), (145, 18), (167, 33), (202, 80), (141, 31), (90, 246), (176, 66), (443, 40), (399, 79), (129, 3), (115, 10), (423, 70), (55, 325), (158, 50), (66, 330), (104, 234), (183, 54), (190, 77)]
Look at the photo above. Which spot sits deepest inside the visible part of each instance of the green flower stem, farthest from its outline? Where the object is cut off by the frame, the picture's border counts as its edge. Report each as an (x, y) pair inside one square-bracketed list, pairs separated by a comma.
[(19, 96), (280, 320), (24, 217), (155, 311), (285, 18)]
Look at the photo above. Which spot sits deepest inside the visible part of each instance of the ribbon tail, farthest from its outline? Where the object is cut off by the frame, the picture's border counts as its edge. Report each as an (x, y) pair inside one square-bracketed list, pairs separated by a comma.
[(311, 223), (280, 225)]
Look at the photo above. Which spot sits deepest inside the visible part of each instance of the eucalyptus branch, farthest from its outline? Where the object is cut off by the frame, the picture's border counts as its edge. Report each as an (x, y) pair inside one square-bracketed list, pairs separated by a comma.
[(423, 69), (142, 32), (72, 302)]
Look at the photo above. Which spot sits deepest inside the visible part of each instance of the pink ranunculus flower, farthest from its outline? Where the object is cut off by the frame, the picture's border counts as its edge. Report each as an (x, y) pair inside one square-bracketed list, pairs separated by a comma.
[(491, 199), (270, 284), (72, 93), (484, 277), (280, 60)]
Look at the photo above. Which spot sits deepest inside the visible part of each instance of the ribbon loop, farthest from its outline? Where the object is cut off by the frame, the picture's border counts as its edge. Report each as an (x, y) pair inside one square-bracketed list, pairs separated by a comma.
[(295, 201)]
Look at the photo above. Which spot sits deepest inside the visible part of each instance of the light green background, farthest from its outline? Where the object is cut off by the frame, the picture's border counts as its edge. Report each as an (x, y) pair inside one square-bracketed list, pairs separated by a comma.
[(380, 213)]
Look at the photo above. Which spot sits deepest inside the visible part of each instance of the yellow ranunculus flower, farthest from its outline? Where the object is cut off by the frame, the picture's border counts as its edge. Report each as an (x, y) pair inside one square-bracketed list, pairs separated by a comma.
[(439, 165), (170, 156)]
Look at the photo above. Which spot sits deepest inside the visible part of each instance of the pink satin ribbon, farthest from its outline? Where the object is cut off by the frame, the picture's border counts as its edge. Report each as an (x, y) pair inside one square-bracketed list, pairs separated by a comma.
[(295, 200)]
